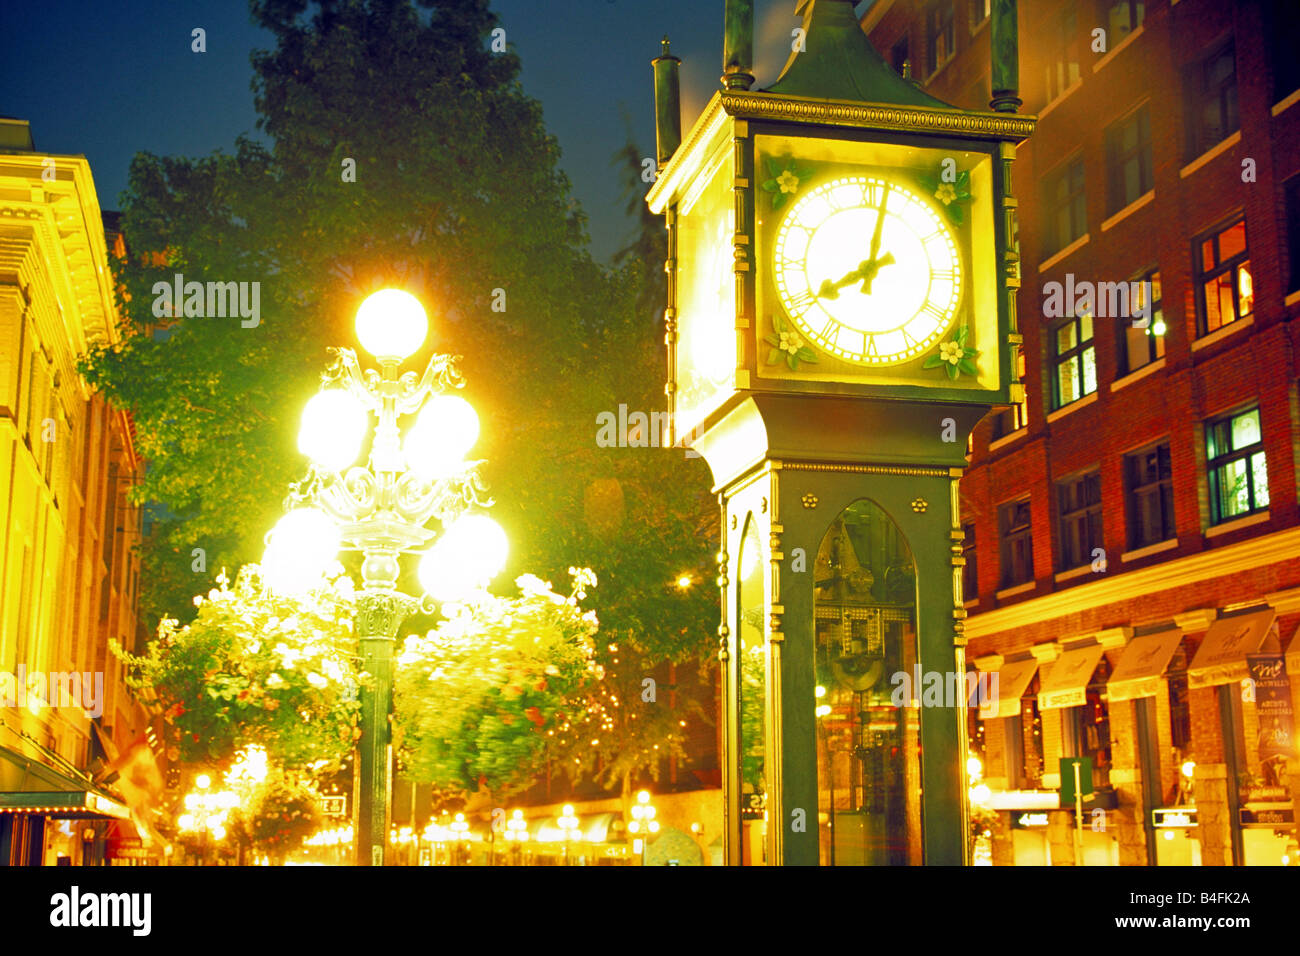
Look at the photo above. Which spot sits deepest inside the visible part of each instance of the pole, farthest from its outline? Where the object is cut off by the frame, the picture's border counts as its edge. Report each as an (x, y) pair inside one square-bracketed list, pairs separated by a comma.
[(1078, 817)]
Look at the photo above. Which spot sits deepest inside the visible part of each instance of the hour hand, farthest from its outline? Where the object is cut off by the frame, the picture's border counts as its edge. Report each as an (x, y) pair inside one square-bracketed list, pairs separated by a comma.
[(868, 272), (831, 290)]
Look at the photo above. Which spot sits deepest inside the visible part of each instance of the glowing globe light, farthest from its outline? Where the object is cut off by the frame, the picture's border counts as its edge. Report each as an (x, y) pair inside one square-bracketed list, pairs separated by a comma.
[(468, 555), (333, 428), (391, 324), (445, 430), (300, 548)]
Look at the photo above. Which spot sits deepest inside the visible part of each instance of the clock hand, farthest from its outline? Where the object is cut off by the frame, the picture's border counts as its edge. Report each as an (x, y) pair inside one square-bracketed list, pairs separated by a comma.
[(830, 290), (870, 273), (880, 223)]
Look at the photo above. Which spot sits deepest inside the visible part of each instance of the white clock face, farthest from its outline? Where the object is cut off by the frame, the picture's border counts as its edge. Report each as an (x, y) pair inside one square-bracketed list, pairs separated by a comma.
[(867, 270)]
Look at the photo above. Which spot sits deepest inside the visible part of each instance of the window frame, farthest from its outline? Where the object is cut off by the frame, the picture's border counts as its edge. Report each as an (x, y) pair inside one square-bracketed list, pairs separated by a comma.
[(1220, 461), (1079, 523), (1291, 212), (1075, 202), (1201, 275), (1018, 413), (1078, 350), (1136, 18), (1062, 45), (1116, 158), (1155, 341), (1009, 535), (935, 24), (970, 571), (1137, 491), (979, 12), (1197, 94)]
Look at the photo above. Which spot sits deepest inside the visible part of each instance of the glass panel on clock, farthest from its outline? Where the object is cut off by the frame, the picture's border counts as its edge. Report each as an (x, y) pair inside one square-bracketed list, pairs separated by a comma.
[(868, 747), (752, 654)]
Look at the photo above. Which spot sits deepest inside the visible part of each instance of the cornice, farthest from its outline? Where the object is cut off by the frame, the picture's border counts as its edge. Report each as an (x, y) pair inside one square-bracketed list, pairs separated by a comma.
[(912, 119), (1244, 556)]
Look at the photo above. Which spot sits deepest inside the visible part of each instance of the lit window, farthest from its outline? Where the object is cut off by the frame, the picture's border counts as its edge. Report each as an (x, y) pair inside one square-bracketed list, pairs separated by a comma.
[(1238, 471), (1142, 345), (1075, 360), (1225, 289)]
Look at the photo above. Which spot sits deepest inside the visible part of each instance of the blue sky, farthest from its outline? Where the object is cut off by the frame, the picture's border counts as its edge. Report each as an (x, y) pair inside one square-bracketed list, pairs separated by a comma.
[(110, 79)]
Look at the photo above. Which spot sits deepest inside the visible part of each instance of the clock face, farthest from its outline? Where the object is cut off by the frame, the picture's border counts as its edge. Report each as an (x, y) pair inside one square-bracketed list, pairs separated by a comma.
[(867, 270)]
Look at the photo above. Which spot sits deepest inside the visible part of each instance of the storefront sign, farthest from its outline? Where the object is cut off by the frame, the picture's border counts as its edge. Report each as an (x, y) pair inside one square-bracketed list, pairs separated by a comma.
[(1171, 817), (1032, 820), (1273, 706), (334, 806), (1267, 816)]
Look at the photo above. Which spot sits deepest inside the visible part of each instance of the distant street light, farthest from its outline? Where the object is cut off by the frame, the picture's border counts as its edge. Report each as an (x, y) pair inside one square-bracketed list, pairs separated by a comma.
[(643, 825), (380, 509), (569, 827)]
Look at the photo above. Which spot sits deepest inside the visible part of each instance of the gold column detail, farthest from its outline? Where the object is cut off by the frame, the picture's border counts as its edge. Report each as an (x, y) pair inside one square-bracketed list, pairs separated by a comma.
[(670, 321)]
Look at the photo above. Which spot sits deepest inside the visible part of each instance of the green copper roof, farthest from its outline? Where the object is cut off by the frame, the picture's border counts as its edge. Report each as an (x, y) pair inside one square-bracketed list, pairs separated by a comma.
[(839, 62)]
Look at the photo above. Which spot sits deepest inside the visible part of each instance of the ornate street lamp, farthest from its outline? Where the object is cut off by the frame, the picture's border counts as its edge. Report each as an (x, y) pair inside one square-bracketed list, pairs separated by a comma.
[(643, 824), (380, 509), (570, 828), (517, 836)]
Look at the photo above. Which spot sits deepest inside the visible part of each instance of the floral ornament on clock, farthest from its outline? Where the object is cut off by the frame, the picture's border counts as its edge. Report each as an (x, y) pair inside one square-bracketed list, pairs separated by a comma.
[(787, 342), (950, 188), (954, 356), (786, 178)]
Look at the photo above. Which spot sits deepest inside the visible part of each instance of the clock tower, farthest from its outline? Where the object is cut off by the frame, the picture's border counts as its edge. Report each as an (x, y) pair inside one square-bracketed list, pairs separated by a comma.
[(841, 313)]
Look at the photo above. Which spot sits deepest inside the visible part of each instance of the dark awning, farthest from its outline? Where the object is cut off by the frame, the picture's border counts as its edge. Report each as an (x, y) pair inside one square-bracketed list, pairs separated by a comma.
[(70, 804)]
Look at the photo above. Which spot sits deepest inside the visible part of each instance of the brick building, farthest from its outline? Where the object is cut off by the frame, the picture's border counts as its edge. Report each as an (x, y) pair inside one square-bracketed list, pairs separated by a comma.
[(1133, 528), (69, 568)]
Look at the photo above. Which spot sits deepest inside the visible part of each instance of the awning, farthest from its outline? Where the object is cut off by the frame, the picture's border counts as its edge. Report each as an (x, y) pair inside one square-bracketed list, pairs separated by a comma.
[(1066, 682), (1013, 678), (1142, 665), (68, 804), (1222, 656)]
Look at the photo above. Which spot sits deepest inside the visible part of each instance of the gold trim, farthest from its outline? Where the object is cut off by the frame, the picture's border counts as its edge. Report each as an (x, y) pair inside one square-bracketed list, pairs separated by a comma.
[(868, 116), (911, 471)]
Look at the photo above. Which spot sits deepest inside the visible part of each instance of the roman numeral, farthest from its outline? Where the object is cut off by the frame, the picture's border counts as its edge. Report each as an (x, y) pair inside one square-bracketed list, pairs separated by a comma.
[(949, 275), (872, 351), (801, 303)]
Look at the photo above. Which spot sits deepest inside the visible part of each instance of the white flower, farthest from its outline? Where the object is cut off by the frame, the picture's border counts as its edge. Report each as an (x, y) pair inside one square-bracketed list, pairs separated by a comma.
[(790, 342), (946, 193), (788, 181), (951, 352)]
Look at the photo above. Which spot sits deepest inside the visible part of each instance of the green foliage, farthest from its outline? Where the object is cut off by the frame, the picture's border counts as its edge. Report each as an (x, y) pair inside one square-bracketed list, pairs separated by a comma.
[(256, 668), (282, 812), (478, 700)]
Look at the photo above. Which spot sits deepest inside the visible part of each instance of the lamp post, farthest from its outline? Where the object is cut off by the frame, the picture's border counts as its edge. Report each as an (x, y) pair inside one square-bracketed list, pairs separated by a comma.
[(569, 827), (517, 835), (380, 509), (643, 824)]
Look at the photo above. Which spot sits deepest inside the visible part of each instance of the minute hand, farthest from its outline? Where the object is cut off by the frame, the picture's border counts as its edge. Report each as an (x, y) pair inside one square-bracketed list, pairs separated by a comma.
[(870, 273)]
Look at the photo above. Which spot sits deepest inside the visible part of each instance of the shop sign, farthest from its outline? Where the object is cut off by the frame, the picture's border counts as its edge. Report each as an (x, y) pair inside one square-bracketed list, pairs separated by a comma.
[(1032, 820), (752, 806), (1267, 816), (334, 806), (1171, 817), (1273, 706)]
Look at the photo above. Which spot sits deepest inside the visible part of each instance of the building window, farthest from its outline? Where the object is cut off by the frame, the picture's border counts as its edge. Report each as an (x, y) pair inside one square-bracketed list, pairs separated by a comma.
[(1283, 32), (1292, 190), (1079, 507), (1017, 543), (1225, 289), (1074, 361), (1065, 205), (939, 35), (1062, 56), (1211, 100), (979, 12), (1122, 18), (1149, 488), (1234, 451), (1128, 159), (1142, 345), (969, 577), (899, 57), (1180, 709)]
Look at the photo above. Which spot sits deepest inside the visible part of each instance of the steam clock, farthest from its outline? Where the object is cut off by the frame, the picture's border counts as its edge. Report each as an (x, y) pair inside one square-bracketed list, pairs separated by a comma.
[(841, 312)]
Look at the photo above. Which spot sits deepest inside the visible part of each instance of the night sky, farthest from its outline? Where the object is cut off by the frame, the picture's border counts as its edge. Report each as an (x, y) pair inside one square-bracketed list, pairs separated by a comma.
[(110, 79)]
